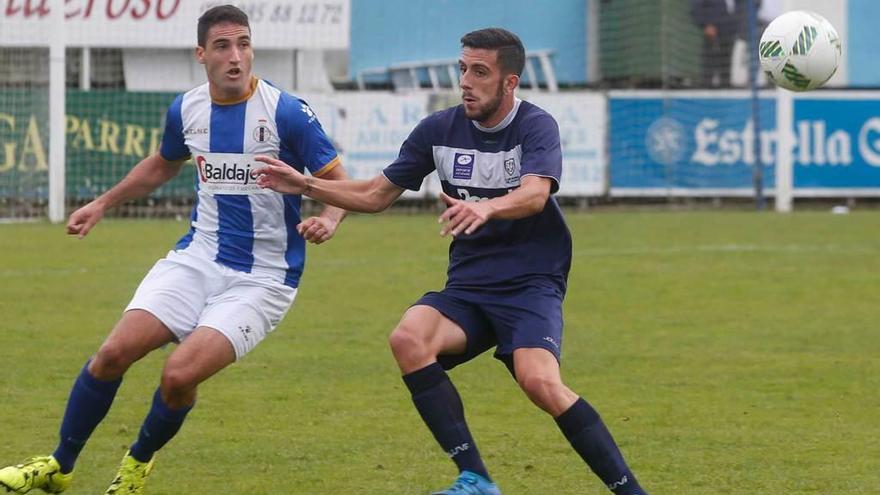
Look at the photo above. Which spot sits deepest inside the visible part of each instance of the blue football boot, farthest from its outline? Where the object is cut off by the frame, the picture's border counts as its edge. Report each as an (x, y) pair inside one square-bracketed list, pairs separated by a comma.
[(469, 483)]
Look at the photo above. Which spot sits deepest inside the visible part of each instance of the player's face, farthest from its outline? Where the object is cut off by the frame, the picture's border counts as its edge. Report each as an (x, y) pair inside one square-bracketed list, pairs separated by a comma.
[(228, 57), (486, 92)]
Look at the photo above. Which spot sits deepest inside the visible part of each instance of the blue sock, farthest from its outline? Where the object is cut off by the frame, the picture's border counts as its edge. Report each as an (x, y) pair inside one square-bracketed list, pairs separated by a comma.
[(586, 432), (160, 426), (442, 411), (89, 401)]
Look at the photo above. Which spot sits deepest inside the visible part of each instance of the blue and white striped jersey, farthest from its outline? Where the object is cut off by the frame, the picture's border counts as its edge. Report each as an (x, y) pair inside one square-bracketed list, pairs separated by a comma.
[(234, 222), (475, 164)]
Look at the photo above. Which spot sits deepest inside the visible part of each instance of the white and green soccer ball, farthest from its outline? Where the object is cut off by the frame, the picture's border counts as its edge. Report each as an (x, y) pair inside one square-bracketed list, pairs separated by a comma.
[(799, 50)]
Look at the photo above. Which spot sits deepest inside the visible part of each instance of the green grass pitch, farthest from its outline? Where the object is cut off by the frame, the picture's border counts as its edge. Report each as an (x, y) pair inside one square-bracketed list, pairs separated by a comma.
[(729, 353)]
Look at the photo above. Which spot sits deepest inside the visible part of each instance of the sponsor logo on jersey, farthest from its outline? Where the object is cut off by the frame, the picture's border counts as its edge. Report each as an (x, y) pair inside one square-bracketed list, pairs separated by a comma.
[(463, 166), (195, 130), (227, 173)]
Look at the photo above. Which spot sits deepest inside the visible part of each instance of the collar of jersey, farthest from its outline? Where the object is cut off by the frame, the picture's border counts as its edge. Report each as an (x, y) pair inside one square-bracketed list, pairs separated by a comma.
[(254, 82), (504, 122)]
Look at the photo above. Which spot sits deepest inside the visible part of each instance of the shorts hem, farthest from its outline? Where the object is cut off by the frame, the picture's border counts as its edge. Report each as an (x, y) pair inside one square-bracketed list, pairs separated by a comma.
[(508, 353), (155, 314), (235, 350)]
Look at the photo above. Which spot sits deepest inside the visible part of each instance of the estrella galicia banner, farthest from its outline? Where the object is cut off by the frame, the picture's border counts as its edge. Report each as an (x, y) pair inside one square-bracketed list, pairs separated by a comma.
[(686, 145), (696, 145), (837, 142)]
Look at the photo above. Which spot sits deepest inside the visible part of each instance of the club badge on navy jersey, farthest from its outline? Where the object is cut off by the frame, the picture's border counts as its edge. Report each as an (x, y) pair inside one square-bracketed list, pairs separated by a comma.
[(510, 166), (510, 170)]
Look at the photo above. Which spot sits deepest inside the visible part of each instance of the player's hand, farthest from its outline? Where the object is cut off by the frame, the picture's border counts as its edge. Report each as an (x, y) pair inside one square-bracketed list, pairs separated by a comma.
[(82, 220), (279, 176), (463, 216), (317, 229)]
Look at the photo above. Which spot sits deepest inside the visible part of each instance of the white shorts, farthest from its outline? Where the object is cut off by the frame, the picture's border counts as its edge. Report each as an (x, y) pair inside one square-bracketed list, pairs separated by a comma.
[(185, 292)]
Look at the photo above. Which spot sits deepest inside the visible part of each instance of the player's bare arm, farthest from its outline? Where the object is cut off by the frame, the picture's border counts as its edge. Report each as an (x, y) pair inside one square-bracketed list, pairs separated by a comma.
[(365, 196), (144, 178), (322, 227), (467, 216)]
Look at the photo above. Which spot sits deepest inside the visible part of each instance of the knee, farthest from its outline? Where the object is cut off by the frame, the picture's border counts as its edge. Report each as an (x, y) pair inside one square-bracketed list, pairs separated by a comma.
[(407, 345), (176, 381), (110, 362), (542, 389)]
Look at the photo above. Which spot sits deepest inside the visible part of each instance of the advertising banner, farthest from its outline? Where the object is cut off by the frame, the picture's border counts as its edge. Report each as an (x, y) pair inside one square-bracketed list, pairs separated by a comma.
[(693, 144), (106, 134), (837, 144), (283, 24), (686, 145), (368, 129), (582, 119)]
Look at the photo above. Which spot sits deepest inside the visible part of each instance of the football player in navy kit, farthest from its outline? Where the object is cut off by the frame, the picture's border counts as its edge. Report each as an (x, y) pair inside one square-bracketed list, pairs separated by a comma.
[(499, 162)]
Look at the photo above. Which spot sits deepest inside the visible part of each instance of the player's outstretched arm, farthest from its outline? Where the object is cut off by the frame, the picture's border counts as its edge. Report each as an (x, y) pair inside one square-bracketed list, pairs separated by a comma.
[(365, 196), (322, 227), (144, 178), (467, 216)]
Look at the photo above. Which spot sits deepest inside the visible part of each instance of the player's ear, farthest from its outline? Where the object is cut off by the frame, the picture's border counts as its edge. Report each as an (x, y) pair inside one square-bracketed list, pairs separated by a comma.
[(511, 81), (200, 54)]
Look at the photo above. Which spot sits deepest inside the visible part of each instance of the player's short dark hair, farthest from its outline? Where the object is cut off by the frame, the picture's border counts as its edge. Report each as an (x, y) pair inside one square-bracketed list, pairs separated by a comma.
[(511, 54), (218, 15)]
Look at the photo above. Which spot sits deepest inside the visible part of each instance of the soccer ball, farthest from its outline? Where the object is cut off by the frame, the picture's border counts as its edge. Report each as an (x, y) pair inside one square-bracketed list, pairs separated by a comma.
[(799, 50)]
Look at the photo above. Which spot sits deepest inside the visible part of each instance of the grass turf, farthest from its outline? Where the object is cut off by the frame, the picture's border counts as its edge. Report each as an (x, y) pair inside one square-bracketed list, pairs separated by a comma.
[(729, 353)]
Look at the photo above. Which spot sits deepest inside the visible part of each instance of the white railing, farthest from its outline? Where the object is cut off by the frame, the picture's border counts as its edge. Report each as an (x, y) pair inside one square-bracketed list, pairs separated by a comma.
[(443, 74)]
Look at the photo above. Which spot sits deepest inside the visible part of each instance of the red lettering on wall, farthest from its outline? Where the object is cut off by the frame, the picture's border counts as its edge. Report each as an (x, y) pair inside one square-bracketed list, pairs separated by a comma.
[(140, 15), (26, 8), (11, 8), (84, 13), (112, 9), (115, 15), (41, 9), (162, 15)]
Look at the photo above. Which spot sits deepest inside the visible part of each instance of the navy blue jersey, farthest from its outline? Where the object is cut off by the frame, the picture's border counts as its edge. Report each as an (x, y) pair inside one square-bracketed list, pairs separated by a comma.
[(476, 164)]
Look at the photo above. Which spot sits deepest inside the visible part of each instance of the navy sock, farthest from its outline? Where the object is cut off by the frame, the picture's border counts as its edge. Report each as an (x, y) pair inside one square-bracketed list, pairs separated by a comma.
[(586, 432), (89, 401), (442, 411), (160, 426)]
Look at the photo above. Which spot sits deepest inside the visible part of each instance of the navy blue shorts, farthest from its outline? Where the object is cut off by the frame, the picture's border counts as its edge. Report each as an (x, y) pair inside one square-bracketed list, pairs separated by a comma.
[(508, 319)]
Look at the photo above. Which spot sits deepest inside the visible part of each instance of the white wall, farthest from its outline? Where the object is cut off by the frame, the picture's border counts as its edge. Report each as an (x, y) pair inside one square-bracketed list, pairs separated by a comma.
[(178, 70)]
